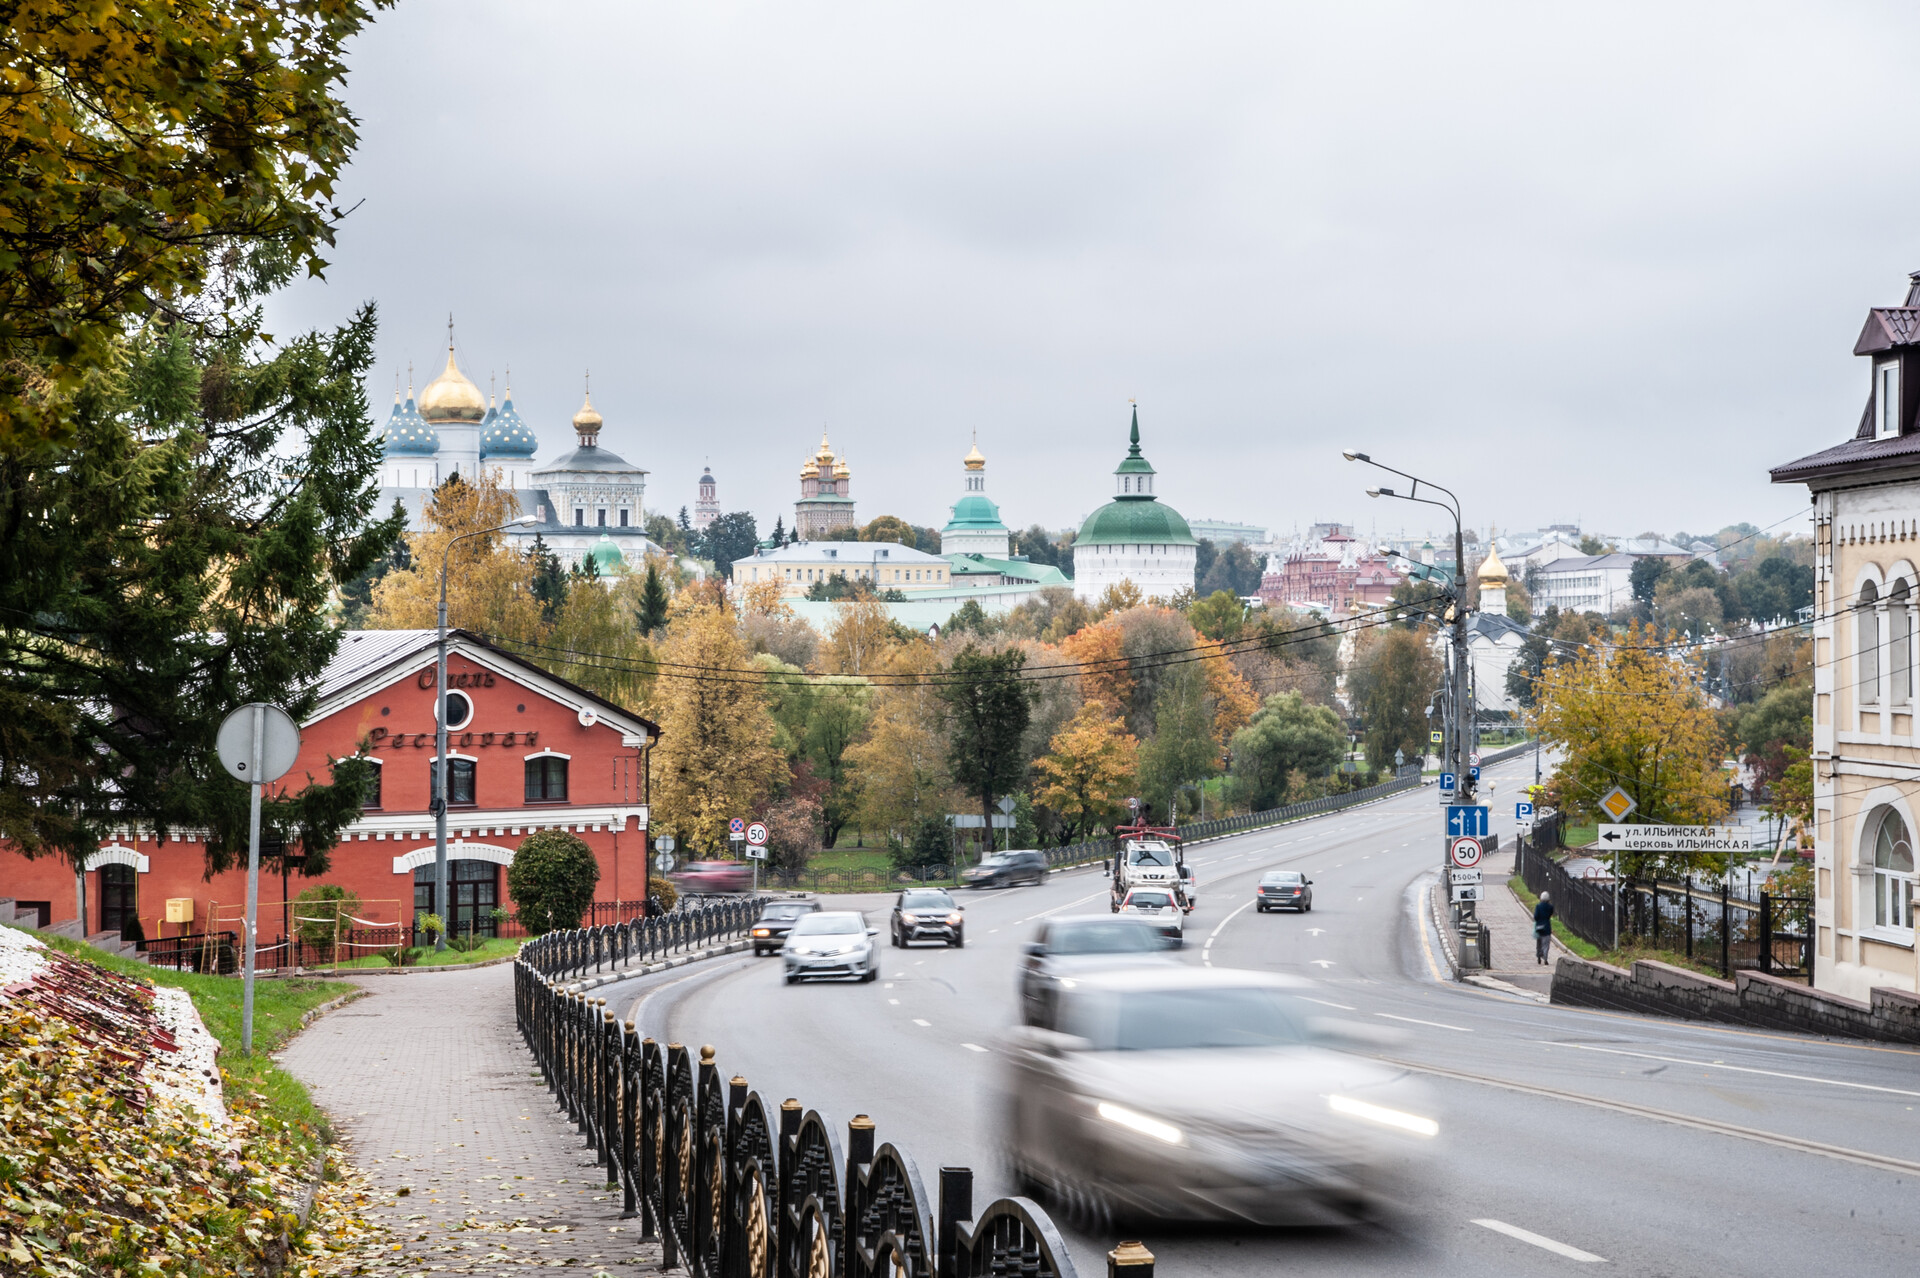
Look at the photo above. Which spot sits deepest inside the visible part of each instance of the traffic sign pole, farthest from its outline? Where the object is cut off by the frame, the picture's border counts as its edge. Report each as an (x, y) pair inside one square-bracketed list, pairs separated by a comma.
[(259, 716)]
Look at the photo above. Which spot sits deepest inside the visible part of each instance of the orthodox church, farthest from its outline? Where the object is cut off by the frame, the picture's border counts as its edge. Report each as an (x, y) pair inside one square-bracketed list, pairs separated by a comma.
[(978, 545), (826, 502), (1135, 537), (588, 503)]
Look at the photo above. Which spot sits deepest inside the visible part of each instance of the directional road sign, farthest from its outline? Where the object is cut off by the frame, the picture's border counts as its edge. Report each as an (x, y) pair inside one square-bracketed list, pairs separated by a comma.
[(1465, 853), (1523, 811), (756, 835), (1466, 819), (1677, 838), (1446, 781), (737, 826), (1617, 803)]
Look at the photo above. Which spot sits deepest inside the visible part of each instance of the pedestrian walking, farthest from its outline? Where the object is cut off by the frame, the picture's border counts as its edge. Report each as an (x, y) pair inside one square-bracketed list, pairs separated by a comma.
[(1542, 928)]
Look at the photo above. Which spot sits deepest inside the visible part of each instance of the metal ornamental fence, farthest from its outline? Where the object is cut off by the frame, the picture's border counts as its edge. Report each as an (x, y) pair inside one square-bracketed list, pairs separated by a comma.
[(563, 955), (732, 1187), (1587, 909), (1273, 816)]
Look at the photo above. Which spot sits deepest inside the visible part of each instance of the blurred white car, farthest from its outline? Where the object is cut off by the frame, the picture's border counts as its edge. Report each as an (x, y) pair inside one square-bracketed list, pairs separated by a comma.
[(1163, 906), (1206, 1094), (831, 943)]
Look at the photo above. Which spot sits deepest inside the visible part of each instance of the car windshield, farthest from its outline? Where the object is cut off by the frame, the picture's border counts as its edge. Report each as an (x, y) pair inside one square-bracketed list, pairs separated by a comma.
[(1163, 1020), (827, 925), (778, 912), (1150, 854), (997, 858), (1282, 876), (1103, 936), (1148, 901), (926, 901)]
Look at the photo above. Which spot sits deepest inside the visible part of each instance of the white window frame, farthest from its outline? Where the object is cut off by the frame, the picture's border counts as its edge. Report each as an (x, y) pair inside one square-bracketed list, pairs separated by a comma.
[(1896, 886), (1886, 399)]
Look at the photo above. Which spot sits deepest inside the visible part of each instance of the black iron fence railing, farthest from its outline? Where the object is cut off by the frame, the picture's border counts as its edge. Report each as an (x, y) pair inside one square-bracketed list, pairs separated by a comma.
[(734, 1187), (1273, 816), (1587, 909), (562, 955), (210, 953)]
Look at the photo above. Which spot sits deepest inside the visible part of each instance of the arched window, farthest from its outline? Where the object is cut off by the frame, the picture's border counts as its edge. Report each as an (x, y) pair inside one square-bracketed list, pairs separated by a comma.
[(1899, 644), (1892, 873), (1866, 645)]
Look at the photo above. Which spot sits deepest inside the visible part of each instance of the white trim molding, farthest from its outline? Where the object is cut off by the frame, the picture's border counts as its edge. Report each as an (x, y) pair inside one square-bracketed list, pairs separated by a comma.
[(400, 825), (118, 854), (408, 862), (548, 754)]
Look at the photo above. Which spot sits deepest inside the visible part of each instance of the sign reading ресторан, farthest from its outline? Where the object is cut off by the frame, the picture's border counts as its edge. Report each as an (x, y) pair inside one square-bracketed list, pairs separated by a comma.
[(1676, 838)]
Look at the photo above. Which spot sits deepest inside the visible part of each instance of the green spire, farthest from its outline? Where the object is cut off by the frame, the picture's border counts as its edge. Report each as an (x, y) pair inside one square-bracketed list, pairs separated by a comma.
[(1134, 434)]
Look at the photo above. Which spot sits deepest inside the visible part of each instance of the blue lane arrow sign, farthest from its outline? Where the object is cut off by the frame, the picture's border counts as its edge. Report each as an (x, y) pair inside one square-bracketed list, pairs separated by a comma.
[(1465, 820)]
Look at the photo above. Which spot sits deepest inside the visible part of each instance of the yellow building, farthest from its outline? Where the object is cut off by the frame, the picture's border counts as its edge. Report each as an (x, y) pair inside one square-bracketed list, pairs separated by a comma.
[(882, 564), (1866, 755)]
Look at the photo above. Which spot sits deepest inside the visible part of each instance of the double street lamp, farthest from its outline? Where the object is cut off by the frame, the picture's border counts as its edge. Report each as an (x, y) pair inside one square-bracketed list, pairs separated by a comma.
[(441, 765)]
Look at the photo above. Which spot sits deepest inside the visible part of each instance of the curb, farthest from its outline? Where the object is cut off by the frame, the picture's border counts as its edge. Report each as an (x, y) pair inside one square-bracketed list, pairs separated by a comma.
[(1496, 984), (1440, 926), (1555, 942), (313, 1014), (665, 965)]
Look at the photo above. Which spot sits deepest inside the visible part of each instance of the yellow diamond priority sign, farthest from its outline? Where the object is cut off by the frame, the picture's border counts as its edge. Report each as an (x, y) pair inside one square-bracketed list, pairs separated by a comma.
[(1617, 803)]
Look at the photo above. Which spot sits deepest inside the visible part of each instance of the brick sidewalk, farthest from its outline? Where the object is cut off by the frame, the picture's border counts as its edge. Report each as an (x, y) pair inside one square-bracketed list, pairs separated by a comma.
[(434, 1094), (1512, 927)]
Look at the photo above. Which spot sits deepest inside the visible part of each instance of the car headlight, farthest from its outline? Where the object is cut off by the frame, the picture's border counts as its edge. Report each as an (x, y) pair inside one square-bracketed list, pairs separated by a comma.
[(761, 931), (1145, 1124), (954, 919), (1381, 1114)]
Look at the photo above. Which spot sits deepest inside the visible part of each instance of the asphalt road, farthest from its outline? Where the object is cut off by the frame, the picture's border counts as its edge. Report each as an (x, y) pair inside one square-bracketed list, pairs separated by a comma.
[(1569, 1138)]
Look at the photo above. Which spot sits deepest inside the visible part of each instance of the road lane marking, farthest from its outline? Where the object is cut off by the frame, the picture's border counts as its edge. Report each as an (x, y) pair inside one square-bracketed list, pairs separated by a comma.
[(973, 1047), (1538, 1240), (894, 1001), (1414, 1020), (922, 1024), (887, 986), (1322, 1002), (1322, 964), (1206, 951), (1740, 1069), (1864, 1157)]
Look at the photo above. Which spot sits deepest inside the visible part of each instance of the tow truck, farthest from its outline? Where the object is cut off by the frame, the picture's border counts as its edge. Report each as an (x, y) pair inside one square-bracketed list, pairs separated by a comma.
[(1151, 856)]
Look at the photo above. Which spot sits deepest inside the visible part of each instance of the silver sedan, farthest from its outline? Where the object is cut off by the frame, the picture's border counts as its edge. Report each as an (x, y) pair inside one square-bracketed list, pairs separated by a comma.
[(1204, 1094), (831, 943)]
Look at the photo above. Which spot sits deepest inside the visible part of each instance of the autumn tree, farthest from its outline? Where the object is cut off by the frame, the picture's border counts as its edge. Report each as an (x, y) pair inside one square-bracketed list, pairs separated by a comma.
[(862, 633), (819, 718), (1220, 615), (902, 760), (1395, 674), (988, 707), (1106, 677), (889, 528), (1088, 772), (1119, 597), (489, 581), (1629, 714), (793, 835), (163, 162), (716, 758), (1287, 738), (1182, 749)]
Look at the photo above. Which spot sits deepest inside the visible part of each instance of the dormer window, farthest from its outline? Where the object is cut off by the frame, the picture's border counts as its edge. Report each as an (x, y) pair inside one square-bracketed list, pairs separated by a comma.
[(1886, 400)]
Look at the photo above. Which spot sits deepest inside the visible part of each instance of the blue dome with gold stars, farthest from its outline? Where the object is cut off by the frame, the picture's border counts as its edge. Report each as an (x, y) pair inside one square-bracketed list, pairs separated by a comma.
[(407, 433), (505, 433)]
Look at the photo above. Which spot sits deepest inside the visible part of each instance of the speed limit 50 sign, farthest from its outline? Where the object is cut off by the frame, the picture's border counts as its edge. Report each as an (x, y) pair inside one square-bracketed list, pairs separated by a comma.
[(1465, 852)]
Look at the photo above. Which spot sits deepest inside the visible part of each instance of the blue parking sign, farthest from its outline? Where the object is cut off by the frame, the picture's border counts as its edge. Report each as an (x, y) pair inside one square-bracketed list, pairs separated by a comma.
[(1466, 819), (1447, 781), (1474, 773), (1522, 811)]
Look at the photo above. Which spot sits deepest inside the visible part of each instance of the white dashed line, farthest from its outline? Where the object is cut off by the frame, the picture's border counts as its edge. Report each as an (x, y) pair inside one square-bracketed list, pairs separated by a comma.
[(1412, 1020), (973, 1047), (1738, 1069), (1322, 1002), (1538, 1240), (922, 1024), (894, 1001), (1206, 951)]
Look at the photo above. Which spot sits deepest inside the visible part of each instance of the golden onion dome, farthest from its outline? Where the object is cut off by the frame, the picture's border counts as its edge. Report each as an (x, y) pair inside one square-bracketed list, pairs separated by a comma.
[(974, 461), (450, 397), (588, 419), (811, 470), (1492, 570)]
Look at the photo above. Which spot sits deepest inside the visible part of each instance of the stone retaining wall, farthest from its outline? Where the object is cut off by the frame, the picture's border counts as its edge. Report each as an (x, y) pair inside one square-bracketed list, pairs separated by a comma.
[(1764, 1002)]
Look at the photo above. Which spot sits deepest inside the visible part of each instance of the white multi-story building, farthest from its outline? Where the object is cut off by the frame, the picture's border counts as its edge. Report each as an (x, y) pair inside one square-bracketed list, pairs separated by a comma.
[(1866, 751)]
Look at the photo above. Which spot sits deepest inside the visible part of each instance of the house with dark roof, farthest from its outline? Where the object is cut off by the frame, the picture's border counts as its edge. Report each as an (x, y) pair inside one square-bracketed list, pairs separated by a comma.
[(1866, 756)]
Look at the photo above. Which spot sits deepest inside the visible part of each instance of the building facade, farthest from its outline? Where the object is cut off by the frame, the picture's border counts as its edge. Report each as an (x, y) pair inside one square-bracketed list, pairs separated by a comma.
[(1866, 754), (1493, 641), (706, 508), (590, 501), (826, 499), (527, 751), (883, 565), (975, 527), (1136, 537), (1334, 577)]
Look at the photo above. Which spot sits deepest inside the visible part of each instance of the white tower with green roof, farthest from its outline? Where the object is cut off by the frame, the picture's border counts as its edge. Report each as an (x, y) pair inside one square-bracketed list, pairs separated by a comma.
[(1135, 537), (975, 528)]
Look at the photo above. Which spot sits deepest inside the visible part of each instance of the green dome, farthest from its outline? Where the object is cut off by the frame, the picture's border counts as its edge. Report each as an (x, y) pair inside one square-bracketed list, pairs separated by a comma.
[(606, 556), (1133, 522), (974, 512)]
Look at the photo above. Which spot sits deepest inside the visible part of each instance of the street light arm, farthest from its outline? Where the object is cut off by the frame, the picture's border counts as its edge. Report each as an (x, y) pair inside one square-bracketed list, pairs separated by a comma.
[(1417, 481)]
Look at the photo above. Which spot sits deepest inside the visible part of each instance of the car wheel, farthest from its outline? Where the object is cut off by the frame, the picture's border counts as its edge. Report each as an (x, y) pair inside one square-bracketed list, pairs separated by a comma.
[(793, 978), (866, 978), (1259, 907), (959, 941), (893, 937)]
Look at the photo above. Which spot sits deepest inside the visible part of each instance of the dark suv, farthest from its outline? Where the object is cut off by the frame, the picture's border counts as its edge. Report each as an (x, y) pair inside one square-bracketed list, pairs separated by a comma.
[(1005, 869), (927, 914), (776, 920)]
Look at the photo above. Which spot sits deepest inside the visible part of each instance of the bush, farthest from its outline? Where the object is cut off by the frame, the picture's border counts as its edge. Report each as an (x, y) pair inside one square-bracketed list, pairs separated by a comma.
[(660, 889), (551, 881), (932, 845), (315, 911)]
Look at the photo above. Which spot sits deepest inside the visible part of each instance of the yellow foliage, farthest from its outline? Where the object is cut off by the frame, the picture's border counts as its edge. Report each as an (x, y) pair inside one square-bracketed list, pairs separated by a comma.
[(716, 759), (1119, 597), (1234, 702), (1089, 769), (489, 583), (861, 638), (902, 760), (1107, 678)]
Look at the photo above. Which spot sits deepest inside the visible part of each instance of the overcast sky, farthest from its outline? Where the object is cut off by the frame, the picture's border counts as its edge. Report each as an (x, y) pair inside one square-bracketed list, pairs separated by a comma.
[(1604, 265)]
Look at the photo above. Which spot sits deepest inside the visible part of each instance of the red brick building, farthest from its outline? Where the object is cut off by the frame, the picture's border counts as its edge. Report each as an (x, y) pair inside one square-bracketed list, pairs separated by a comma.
[(528, 751), (1335, 577)]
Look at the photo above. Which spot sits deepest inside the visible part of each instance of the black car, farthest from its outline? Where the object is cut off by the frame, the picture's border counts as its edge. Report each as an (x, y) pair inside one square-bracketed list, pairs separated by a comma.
[(927, 914), (1005, 869), (1288, 888), (776, 920), (1073, 944)]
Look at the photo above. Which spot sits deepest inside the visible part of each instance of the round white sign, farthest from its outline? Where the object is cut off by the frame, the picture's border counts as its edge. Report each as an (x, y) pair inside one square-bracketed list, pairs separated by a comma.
[(757, 835), (279, 747), (1465, 852)]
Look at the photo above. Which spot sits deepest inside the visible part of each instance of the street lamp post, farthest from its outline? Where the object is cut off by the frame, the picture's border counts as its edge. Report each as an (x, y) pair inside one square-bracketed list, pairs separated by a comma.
[(440, 763), (1461, 691)]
